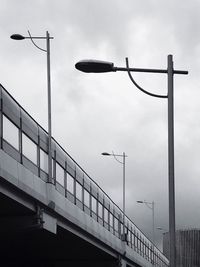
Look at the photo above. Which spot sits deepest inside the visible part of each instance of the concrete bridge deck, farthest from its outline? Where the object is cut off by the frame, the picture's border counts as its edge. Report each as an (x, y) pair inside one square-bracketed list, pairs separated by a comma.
[(68, 222)]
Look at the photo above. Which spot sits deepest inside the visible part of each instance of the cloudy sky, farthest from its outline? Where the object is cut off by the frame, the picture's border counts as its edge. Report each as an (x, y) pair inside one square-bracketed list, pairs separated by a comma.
[(93, 113)]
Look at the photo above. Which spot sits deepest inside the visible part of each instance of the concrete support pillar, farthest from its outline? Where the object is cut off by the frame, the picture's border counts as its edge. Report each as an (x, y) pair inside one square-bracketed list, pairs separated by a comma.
[(123, 263)]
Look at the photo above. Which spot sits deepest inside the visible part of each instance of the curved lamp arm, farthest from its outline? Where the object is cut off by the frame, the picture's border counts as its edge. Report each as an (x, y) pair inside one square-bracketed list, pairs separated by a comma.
[(44, 50), (149, 204), (116, 157), (139, 87)]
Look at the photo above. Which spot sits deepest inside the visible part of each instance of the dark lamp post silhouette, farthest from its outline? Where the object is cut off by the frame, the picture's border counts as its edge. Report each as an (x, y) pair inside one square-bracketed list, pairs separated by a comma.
[(98, 66), (47, 50), (151, 206), (124, 237)]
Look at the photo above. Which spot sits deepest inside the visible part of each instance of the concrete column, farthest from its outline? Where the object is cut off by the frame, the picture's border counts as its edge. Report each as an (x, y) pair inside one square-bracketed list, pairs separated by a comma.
[(123, 263)]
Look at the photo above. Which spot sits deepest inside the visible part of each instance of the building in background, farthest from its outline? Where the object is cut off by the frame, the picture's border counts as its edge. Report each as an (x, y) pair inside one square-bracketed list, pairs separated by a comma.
[(187, 247)]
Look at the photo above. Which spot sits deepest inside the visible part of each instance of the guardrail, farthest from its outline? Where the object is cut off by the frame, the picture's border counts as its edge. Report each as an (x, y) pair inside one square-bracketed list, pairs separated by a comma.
[(27, 142)]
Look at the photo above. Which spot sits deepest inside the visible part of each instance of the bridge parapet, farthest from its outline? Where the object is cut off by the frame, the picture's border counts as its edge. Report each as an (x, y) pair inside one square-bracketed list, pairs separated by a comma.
[(26, 142)]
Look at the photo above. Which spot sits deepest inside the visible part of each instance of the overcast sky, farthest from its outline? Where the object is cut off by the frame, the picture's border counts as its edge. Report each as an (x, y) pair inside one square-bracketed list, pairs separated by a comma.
[(93, 113)]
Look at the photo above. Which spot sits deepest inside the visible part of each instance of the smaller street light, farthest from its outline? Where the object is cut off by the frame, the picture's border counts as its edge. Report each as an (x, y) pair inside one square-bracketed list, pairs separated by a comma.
[(106, 154), (161, 229), (122, 162), (47, 51), (150, 205), (140, 201), (163, 232), (18, 37)]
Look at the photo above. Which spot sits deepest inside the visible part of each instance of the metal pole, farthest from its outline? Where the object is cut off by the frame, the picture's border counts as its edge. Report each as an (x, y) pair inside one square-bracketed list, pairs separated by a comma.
[(153, 222), (49, 109), (124, 238), (171, 163)]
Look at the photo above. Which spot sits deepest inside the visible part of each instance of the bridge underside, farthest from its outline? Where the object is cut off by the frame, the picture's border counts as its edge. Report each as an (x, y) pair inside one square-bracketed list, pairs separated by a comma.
[(23, 243)]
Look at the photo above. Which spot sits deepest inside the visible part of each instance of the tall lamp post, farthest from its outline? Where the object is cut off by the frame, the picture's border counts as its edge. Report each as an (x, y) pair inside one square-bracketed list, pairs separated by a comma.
[(103, 66), (47, 51), (124, 187), (150, 205)]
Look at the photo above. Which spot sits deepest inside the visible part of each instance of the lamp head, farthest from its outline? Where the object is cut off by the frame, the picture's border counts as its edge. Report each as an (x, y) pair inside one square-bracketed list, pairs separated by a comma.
[(95, 66), (140, 201), (17, 37), (106, 154)]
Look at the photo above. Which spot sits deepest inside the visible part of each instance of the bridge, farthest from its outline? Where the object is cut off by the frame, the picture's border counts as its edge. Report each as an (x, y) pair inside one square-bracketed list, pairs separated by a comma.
[(68, 222)]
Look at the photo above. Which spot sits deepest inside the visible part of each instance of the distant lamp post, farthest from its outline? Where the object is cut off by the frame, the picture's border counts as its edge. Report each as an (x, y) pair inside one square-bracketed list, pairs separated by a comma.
[(161, 229), (150, 205), (102, 66), (124, 196), (47, 50), (163, 232)]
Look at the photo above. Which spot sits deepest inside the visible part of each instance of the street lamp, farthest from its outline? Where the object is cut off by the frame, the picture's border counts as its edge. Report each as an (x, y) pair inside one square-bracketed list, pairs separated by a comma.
[(163, 232), (150, 205), (47, 50), (161, 229), (123, 163), (101, 66)]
